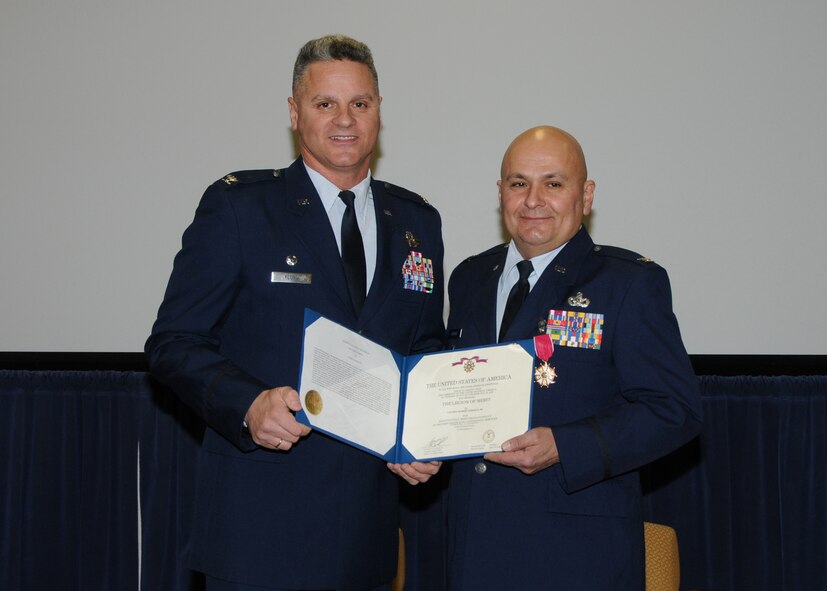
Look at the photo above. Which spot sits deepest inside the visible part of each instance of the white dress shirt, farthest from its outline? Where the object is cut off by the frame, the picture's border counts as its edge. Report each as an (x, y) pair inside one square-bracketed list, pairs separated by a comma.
[(365, 215), (510, 275)]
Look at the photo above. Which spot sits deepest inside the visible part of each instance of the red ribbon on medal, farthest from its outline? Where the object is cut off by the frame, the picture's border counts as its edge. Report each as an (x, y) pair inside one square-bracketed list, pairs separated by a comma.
[(544, 374), (543, 346)]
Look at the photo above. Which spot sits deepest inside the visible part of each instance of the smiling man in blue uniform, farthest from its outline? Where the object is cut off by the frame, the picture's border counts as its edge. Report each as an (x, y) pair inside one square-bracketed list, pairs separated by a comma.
[(279, 506), (559, 508)]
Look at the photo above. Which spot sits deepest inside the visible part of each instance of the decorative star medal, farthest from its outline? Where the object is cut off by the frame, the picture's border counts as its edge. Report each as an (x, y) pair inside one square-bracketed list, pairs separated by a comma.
[(469, 365), (544, 374)]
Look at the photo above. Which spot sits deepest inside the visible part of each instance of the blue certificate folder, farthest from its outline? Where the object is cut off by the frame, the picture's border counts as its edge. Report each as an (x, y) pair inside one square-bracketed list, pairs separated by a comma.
[(424, 407)]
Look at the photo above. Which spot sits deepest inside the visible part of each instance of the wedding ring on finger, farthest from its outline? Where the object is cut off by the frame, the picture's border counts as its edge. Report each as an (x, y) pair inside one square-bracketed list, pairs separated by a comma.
[(278, 445)]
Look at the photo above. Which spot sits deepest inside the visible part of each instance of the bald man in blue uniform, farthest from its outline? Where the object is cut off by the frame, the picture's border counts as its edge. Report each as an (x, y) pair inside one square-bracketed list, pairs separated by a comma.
[(560, 507)]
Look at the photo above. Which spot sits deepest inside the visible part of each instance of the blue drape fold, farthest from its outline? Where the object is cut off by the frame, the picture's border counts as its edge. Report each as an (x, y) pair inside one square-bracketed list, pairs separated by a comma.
[(69, 443), (85, 456), (170, 436), (749, 497)]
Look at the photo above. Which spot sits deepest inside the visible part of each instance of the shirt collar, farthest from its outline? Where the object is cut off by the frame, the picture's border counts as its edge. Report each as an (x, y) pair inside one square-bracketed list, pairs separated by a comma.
[(329, 193), (540, 262)]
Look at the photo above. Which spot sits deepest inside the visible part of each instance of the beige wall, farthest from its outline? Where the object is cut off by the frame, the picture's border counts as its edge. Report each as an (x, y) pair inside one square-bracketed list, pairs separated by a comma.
[(703, 123)]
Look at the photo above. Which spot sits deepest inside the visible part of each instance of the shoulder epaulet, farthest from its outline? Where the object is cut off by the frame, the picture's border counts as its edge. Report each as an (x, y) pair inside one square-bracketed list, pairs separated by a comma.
[(621, 253), (398, 191), (494, 250), (246, 177)]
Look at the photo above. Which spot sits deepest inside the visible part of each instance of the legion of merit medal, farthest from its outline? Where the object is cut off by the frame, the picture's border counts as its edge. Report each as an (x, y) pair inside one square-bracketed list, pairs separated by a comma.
[(469, 363), (544, 374)]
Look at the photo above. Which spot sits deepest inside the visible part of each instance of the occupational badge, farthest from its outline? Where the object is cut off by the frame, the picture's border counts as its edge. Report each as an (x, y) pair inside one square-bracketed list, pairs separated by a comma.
[(578, 301), (412, 240)]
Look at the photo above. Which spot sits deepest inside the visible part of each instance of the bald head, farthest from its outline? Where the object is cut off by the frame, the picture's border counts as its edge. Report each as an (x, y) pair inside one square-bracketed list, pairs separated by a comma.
[(544, 192), (547, 139)]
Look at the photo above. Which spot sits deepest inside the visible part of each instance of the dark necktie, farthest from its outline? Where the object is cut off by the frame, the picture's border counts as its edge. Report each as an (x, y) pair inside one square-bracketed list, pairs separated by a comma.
[(353, 253), (516, 297)]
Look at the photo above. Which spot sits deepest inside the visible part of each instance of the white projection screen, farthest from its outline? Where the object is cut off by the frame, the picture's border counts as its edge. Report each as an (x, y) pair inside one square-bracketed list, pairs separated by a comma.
[(703, 124)]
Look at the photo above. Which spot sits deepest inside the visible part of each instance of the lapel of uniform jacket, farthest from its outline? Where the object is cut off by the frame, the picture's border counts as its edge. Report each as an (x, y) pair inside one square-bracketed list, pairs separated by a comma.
[(308, 221), (484, 300), (391, 251), (552, 287)]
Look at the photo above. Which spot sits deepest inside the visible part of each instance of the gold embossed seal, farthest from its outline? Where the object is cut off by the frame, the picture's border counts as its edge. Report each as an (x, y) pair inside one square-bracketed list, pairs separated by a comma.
[(313, 402)]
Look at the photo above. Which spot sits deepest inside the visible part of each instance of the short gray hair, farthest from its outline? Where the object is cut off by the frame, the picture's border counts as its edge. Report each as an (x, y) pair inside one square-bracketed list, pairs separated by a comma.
[(329, 48)]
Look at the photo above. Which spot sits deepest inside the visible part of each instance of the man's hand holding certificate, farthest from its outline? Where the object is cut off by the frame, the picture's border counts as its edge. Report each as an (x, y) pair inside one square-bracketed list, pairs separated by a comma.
[(416, 408)]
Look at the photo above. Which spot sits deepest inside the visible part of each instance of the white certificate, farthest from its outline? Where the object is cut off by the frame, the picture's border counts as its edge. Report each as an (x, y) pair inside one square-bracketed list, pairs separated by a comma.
[(462, 402)]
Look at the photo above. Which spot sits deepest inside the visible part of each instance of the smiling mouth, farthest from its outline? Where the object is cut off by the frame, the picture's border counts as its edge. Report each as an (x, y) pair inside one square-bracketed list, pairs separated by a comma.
[(343, 138)]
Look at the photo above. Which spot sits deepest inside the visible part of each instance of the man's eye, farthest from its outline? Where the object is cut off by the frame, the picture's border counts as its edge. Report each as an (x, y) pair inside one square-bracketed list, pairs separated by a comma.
[(554, 184), (323, 105), (517, 184), (360, 105)]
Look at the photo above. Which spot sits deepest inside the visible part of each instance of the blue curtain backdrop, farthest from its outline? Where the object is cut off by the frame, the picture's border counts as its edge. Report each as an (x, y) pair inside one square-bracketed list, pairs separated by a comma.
[(69, 466), (749, 497), (80, 450)]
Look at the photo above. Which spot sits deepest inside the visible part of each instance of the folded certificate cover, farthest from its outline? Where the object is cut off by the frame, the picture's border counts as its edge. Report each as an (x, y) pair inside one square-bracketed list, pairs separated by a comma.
[(433, 406)]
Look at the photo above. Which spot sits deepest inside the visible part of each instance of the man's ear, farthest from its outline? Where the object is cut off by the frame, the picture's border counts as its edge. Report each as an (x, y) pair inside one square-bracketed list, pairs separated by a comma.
[(294, 113), (588, 196)]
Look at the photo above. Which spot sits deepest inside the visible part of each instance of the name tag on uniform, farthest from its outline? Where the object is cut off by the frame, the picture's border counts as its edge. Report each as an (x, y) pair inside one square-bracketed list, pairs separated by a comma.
[(302, 278)]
